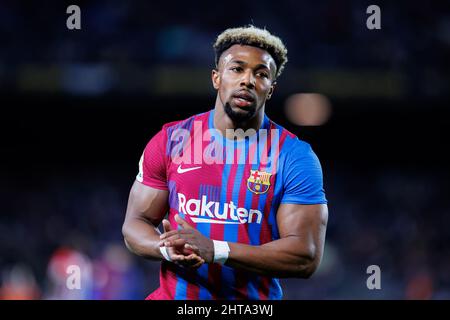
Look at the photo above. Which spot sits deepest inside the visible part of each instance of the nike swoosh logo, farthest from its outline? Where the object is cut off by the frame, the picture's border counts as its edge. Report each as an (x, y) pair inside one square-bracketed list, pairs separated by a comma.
[(180, 170)]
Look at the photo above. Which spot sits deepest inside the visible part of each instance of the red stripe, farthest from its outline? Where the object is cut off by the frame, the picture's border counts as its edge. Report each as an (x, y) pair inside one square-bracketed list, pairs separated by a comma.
[(214, 271), (241, 276), (255, 197), (192, 288), (217, 233), (266, 233), (168, 282), (231, 180)]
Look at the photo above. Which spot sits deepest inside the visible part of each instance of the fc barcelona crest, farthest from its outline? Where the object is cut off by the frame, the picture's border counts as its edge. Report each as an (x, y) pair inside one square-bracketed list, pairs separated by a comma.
[(258, 182)]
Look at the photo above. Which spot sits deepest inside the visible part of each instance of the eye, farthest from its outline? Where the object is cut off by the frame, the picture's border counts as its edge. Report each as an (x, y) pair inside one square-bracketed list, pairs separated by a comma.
[(263, 74), (236, 69)]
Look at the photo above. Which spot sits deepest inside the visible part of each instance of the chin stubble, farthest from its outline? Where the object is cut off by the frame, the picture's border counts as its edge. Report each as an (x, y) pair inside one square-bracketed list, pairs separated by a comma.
[(237, 116)]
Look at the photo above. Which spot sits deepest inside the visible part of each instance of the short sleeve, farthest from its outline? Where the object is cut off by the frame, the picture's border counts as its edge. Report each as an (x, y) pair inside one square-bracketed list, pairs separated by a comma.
[(152, 165), (302, 176)]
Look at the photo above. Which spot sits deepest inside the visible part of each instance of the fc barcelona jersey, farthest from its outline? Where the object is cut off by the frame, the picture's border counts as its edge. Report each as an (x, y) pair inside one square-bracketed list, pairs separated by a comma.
[(229, 190)]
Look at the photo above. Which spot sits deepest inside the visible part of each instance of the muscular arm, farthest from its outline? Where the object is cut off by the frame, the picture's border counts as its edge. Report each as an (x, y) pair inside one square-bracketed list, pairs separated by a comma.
[(145, 211), (297, 253)]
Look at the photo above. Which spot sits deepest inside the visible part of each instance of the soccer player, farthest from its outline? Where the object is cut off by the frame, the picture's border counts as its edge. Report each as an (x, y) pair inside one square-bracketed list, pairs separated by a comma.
[(244, 197)]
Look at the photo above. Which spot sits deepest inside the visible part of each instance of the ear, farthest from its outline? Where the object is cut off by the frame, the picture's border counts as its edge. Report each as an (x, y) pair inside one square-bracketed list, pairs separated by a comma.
[(271, 90), (215, 77)]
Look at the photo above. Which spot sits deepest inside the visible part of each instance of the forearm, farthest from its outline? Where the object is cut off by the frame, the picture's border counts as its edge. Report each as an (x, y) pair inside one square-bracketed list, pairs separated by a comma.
[(142, 238), (271, 260)]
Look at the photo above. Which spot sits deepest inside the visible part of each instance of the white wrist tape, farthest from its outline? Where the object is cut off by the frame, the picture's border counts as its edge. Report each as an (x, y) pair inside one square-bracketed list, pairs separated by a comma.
[(164, 253), (221, 251)]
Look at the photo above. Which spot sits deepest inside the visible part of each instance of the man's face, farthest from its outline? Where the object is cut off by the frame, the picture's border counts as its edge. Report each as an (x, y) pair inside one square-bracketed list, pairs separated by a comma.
[(245, 79)]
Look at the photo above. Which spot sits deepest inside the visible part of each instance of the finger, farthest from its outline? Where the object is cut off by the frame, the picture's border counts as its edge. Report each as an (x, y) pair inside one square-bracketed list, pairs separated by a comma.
[(193, 261), (187, 252), (175, 236), (183, 223), (168, 239), (166, 225), (173, 232), (198, 264), (193, 256), (168, 234), (192, 247), (174, 243), (176, 257)]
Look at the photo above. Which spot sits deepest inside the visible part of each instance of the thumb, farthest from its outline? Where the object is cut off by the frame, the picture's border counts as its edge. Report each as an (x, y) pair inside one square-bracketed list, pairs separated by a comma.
[(166, 225), (182, 222)]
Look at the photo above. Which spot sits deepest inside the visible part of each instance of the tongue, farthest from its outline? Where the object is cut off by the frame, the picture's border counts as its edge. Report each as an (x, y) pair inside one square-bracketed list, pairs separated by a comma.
[(242, 103)]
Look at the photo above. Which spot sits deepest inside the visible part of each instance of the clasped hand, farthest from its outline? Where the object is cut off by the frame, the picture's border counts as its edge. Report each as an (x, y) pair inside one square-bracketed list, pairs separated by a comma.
[(187, 246)]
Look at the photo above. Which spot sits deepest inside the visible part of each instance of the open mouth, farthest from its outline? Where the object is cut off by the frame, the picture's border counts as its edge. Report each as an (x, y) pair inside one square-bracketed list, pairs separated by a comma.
[(243, 99)]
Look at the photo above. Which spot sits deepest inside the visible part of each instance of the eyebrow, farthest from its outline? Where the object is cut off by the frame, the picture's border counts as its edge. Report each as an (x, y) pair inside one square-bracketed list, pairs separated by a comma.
[(259, 66)]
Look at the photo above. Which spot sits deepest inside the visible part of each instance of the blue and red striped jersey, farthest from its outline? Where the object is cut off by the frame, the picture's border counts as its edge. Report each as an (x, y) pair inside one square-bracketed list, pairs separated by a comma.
[(229, 190)]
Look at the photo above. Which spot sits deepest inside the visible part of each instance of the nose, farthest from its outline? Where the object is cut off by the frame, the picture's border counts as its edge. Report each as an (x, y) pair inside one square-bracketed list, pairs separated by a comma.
[(248, 79)]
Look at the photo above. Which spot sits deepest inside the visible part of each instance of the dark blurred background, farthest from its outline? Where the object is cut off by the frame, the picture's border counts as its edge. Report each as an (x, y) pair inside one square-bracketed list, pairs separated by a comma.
[(78, 107)]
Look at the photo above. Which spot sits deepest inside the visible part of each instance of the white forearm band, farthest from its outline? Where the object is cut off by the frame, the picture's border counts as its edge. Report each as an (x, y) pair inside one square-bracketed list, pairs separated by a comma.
[(221, 251), (164, 253)]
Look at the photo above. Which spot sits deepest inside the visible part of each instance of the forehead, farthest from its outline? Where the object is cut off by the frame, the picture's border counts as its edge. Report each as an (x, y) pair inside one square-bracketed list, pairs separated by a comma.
[(248, 54)]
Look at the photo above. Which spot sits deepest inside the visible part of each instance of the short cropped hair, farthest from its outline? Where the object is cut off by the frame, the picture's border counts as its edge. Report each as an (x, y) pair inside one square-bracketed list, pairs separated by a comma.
[(252, 36)]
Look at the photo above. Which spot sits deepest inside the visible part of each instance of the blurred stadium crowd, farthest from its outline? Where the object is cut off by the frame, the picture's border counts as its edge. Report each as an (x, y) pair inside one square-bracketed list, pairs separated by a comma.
[(131, 47), (64, 183)]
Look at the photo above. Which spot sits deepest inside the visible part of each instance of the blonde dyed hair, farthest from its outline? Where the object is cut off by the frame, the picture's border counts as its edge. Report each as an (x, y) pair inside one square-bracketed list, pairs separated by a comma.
[(255, 37)]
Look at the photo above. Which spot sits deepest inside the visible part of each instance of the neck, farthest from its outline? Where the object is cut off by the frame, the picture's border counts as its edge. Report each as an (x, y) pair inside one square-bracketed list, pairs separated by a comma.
[(222, 121)]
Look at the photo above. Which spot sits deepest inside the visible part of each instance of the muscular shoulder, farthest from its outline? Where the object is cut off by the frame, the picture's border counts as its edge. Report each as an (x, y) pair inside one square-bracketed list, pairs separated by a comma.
[(292, 146)]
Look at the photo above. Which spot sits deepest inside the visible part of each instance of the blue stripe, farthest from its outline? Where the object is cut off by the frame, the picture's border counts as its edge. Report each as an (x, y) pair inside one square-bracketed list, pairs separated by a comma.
[(252, 286), (275, 290), (170, 144), (204, 293), (231, 231), (211, 119), (205, 229), (253, 279), (273, 162), (227, 274), (254, 229), (253, 232), (181, 288)]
